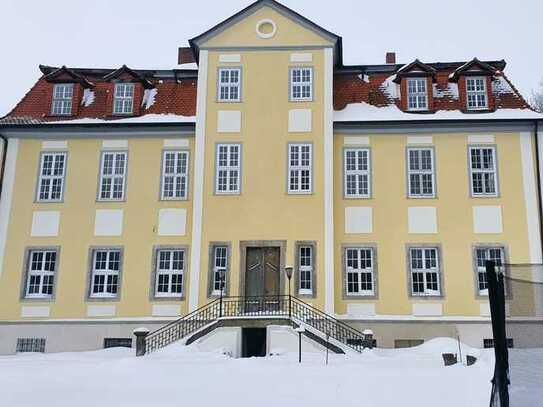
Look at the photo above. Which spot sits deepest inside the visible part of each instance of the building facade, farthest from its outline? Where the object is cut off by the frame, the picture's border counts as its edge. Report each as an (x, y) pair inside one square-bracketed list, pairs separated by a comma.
[(126, 193)]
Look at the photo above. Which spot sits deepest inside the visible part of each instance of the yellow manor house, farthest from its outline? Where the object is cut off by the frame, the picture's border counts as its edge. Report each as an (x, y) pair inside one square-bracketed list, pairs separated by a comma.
[(261, 186)]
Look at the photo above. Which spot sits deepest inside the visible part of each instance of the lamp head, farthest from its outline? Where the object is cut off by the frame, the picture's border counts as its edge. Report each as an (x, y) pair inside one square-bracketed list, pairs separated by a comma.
[(288, 271)]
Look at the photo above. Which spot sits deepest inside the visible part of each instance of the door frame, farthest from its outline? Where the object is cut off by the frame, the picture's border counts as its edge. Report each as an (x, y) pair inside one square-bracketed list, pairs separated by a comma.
[(244, 244)]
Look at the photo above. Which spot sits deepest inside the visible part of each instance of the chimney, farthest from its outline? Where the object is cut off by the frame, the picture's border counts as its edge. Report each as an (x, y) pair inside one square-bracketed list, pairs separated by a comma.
[(390, 58), (185, 56)]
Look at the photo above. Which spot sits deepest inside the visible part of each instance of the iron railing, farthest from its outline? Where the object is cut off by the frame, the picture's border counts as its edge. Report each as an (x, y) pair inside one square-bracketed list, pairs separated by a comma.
[(265, 306)]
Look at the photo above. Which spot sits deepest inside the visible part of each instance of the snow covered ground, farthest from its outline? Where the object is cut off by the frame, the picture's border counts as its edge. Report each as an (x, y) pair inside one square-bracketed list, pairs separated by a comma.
[(185, 376)]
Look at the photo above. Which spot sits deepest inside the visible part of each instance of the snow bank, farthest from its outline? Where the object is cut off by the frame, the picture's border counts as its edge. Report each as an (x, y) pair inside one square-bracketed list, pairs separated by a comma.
[(183, 375)]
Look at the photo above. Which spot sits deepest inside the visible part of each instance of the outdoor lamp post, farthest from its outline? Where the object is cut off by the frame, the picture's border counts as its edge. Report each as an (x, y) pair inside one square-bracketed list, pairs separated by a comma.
[(288, 271), (300, 331), (222, 276)]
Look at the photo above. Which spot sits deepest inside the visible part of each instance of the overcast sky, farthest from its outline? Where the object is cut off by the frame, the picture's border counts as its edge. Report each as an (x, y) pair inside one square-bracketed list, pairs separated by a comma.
[(146, 34)]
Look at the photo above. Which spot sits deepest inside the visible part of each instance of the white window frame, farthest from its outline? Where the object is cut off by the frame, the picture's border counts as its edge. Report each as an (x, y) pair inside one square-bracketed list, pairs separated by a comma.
[(484, 172), (479, 94), (296, 168), (170, 272), (106, 273), (489, 253), (358, 173), (113, 177), (420, 173), (225, 89), (231, 172), (362, 270), (306, 271), (418, 96), (220, 252), (62, 103), (425, 271), (301, 84), (178, 173), (124, 94), (46, 181), (42, 273)]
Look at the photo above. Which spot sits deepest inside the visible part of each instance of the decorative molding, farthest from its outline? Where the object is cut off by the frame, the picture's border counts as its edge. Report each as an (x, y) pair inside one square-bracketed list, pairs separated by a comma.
[(358, 219), (35, 312), (101, 310), (415, 140), (427, 309), (356, 141), (108, 222), (54, 145), (487, 219), (122, 144), (299, 120), (229, 58), (228, 121), (45, 223), (172, 143), (301, 57), (422, 219), (166, 310), (172, 222), (481, 139)]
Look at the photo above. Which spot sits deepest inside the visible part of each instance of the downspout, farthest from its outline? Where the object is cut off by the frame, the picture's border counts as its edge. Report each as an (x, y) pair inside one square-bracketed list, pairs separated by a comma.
[(3, 167), (538, 181)]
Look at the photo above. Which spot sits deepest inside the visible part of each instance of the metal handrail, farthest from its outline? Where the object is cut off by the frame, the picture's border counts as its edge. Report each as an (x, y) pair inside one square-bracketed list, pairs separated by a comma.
[(259, 306)]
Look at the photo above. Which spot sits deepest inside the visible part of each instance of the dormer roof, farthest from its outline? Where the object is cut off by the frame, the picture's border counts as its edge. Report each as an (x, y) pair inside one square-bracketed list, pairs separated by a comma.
[(125, 72), (476, 67), (64, 75), (415, 69)]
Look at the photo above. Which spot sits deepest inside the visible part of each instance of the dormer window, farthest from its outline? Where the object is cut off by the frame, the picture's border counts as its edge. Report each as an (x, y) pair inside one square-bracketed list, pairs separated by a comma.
[(476, 94), (62, 99), (417, 94), (123, 102)]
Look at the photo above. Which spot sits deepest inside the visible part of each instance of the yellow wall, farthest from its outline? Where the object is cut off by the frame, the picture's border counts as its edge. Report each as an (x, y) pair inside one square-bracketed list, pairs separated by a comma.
[(76, 233), (454, 218)]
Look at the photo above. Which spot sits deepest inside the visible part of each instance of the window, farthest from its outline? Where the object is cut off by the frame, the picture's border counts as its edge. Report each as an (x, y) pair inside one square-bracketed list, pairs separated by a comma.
[(30, 345), (407, 343), (420, 172), (106, 269), (229, 85), (301, 84), (489, 343), (359, 270), (123, 102), (299, 168), (117, 343), (170, 268), (417, 95), (484, 180), (174, 174), (228, 169), (482, 254), (305, 270), (51, 179), (476, 93), (41, 273), (424, 265), (112, 176), (219, 264), (357, 173), (62, 99)]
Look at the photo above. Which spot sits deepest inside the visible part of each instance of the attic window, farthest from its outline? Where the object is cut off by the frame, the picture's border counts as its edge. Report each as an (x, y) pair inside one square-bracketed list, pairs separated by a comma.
[(124, 98), (266, 28), (476, 93), (62, 99), (417, 94)]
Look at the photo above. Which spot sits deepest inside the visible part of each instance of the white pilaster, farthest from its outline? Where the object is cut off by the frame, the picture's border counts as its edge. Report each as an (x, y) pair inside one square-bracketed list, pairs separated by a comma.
[(7, 196), (530, 197), (329, 296), (199, 152)]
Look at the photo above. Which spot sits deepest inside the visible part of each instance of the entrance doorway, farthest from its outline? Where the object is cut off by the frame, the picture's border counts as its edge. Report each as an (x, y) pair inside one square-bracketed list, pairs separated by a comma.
[(253, 342), (262, 271)]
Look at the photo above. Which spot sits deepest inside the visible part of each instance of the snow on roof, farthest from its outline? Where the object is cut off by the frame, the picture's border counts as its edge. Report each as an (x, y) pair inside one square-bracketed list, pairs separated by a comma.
[(363, 112), (148, 118), (190, 65)]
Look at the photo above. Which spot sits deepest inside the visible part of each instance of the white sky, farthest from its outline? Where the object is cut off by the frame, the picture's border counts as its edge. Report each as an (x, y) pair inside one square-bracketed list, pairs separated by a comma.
[(146, 34)]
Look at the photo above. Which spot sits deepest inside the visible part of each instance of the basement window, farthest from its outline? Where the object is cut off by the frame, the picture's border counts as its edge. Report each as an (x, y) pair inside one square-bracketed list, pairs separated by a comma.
[(30, 345), (117, 343)]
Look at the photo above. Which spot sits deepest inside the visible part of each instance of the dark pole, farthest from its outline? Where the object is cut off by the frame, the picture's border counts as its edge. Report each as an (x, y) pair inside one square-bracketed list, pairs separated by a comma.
[(289, 301), (327, 344), (496, 296), (299, 347), (221, 277)]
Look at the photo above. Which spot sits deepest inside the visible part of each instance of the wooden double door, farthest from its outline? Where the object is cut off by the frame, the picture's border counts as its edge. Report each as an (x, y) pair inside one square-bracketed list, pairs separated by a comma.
[(262, 274)]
